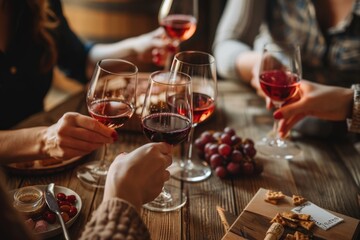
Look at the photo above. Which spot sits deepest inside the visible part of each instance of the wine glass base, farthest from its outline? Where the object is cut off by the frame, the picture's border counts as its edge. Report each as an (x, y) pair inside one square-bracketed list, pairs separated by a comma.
[(193, 171), (287, 150), (90, 174), (174, 200)]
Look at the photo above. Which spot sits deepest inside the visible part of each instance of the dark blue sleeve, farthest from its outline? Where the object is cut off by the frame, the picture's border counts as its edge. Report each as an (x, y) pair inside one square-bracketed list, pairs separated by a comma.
[(72, 52)]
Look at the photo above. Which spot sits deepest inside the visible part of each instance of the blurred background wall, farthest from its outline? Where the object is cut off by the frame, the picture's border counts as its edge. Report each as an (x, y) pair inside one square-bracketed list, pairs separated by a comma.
[(114, 20)]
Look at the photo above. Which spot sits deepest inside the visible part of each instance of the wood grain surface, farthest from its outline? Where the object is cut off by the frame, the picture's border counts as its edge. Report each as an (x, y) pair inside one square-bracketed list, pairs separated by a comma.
[(327, 171)]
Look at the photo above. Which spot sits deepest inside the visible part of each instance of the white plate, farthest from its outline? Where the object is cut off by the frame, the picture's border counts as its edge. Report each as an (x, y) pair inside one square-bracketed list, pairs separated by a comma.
[(55, 229)]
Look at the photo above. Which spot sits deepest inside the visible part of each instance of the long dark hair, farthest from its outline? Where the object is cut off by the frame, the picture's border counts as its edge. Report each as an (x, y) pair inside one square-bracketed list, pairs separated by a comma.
[(44, 20), (40, 22)]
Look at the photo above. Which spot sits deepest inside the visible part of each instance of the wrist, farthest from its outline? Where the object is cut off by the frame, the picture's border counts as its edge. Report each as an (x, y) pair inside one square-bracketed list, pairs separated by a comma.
[(127, 194)]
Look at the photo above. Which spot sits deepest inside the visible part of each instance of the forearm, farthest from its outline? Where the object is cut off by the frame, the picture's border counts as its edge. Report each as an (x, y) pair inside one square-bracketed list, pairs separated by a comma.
[(21, 145), (236, 32), (245, 63), (120, 49)]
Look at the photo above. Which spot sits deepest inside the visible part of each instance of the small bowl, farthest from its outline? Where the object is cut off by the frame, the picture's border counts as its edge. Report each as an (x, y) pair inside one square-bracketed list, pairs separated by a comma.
[(29, 201)]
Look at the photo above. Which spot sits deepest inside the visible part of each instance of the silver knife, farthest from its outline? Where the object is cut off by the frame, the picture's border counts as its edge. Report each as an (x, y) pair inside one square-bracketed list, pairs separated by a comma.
[(53, 206)]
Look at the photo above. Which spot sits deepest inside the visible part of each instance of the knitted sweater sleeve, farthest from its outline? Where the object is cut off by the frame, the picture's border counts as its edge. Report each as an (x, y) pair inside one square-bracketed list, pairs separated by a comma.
[(115, 219)]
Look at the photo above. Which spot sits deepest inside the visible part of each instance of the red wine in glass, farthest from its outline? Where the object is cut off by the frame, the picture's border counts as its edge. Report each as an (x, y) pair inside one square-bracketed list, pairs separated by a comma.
[(111, 112), (279, 85), (161, 121), (111, 101), (179, 20), (279, 78), (203, 106), (166, 127), (179, 26)]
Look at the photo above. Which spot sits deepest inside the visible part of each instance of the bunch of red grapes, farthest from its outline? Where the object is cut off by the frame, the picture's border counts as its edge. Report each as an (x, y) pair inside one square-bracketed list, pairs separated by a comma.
[(228, 154)]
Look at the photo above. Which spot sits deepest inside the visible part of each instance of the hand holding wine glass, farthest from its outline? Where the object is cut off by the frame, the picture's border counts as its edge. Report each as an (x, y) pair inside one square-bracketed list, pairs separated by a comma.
[(179, 20), (111, 101), (167, 117), (279, 77)]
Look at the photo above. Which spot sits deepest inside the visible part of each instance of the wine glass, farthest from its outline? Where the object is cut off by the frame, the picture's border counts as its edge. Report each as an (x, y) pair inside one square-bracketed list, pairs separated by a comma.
[(202, 70), (111, 101), (167, 117), (279, 76), (179, 20)]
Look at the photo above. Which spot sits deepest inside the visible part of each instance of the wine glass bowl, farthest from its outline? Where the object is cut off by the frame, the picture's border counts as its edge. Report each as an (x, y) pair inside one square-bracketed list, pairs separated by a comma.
[(111, 101), (178, 18), (279, 78), (201, 67), (167, 117)]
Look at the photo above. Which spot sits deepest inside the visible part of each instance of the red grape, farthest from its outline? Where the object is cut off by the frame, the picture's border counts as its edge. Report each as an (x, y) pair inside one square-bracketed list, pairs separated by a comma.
[(235, 140), (233, 168), (213, 149), (224, 149), (249, 150), (216, 160), (49, 217), (226, 138), (248, 168), (221, 172), (71, 199), (61, 196), (72, 211), (236, 156), (230, 131)]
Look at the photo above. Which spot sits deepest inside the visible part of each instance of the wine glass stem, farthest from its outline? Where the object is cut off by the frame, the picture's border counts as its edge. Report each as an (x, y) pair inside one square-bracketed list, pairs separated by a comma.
[(170, 55), (164, 197), (102, 169), (187, 163), (277, 139)]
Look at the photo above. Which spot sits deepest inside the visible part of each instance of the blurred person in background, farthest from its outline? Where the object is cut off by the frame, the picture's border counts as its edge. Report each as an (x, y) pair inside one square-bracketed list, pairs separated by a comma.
[(328, 33), (35, 37)]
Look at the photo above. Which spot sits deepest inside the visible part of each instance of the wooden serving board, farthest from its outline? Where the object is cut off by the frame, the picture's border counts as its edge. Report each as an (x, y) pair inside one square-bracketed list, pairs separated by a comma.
[(254, 221)]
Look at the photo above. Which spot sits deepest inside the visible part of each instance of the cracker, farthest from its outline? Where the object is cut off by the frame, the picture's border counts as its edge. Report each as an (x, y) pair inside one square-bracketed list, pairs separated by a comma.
[(274, 202), (278, 219), (298, 200), (290, 215), (303, 216), (306, 224), (272, 195), (300, 236), (291, 224)]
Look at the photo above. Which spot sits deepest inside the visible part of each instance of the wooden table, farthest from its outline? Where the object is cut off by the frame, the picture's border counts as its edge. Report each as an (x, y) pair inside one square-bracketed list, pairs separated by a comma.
[(327, 173)]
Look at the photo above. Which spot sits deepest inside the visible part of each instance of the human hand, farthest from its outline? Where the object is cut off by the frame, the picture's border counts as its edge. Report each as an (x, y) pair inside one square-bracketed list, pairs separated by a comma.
[(75, 135), (146, 43), (139, 176), (324, 102)]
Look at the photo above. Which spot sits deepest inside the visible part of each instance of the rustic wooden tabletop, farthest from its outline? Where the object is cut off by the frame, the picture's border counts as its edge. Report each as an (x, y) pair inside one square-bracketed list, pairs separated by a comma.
[(327, 172)]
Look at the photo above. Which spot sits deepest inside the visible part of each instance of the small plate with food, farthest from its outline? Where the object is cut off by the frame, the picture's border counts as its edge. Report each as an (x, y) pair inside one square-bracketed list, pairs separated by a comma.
[(30, 202)]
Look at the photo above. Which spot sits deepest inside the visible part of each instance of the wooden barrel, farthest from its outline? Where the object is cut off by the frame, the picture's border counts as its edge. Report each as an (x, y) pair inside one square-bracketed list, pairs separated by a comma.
[(111, 20)]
